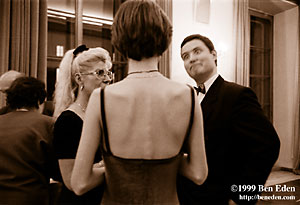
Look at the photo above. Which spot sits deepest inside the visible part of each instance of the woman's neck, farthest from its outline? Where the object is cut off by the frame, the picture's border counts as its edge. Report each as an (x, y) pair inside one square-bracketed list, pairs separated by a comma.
[(144, 65), (79, 106), (82, 101)]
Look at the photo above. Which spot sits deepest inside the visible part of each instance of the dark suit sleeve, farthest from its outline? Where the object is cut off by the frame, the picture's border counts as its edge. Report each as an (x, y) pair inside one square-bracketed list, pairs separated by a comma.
[(256, 142)]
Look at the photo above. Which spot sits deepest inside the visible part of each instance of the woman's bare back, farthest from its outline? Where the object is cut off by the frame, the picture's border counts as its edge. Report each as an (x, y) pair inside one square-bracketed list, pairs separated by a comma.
[(147, 117)]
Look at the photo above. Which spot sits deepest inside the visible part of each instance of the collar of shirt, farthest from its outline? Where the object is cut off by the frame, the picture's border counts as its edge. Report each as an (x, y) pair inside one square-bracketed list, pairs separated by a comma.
[(207, 85)]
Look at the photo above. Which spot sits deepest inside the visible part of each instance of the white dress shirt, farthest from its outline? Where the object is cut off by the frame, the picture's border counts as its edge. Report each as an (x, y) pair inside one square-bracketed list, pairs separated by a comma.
[(207, 85)]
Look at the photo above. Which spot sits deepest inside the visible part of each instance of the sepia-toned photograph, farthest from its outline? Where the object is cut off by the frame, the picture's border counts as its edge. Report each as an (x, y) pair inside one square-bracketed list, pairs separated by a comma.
[(154, 102)]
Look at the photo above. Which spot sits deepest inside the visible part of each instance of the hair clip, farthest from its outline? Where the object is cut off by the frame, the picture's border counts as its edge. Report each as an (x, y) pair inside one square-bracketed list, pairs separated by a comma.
[(80, 49)]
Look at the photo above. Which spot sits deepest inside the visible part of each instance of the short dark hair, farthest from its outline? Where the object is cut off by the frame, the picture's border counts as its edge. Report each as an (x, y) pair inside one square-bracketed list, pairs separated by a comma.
[(141, 29), (26, 92), (204, 39)]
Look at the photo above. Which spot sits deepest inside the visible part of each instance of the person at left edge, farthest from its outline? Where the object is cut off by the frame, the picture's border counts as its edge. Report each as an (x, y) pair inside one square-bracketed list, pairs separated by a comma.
[(6, 80), (27, 159)]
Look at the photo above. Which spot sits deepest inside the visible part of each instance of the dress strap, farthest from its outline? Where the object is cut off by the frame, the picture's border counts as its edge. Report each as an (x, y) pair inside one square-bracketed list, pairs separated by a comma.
[(103, 117), (188, 132)]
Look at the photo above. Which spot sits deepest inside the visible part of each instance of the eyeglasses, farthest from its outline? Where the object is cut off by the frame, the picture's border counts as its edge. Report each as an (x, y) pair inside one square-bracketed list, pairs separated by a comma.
[(100, 74)]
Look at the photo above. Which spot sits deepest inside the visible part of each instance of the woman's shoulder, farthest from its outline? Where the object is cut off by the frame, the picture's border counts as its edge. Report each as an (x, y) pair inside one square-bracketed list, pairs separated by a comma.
[(177, 87), (164, 86), (67, 116)]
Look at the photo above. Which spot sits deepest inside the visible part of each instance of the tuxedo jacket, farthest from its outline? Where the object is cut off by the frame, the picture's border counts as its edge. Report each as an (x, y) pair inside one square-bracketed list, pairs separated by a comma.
[(241, 146)]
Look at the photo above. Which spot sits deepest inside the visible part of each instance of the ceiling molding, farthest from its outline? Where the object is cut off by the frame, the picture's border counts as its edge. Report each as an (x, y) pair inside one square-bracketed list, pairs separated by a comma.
[(273, 7)]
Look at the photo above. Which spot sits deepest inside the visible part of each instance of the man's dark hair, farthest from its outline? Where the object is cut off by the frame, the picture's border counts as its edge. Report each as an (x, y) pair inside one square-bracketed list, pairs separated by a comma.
[(141, 29), (26, 92), (204, 39)]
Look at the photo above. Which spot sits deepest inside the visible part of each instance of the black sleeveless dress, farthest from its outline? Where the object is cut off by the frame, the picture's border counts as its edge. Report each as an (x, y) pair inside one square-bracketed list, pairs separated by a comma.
[(139, 181)]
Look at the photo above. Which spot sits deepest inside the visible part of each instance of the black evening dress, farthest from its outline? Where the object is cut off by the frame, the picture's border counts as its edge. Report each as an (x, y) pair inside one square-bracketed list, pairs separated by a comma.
[(67, 133)]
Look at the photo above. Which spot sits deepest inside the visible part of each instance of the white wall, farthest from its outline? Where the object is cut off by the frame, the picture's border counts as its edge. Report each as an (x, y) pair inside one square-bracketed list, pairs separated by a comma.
[(219, 30), (286, 68)]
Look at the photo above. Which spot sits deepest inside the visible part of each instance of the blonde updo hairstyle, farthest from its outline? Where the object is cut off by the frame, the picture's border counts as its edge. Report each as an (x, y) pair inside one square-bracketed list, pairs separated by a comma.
[(66, 88)]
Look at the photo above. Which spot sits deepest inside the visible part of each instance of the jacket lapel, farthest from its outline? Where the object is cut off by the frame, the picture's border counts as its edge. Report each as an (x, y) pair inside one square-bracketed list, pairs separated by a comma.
[(211, 97)]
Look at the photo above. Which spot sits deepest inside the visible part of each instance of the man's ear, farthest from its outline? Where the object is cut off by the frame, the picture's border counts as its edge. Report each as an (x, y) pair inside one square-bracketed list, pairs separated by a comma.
[(41, 107), (214, 53)]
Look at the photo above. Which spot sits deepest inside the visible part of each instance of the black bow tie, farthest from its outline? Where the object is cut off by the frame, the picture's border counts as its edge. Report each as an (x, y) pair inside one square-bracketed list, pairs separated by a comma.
[(200, 88)]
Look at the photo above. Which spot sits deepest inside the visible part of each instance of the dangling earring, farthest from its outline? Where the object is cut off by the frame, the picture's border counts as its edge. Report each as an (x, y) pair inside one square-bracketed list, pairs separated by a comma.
[(81, 87)]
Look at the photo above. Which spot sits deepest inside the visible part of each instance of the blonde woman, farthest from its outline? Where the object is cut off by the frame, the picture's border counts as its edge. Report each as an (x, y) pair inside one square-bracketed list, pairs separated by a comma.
[(80, 72)]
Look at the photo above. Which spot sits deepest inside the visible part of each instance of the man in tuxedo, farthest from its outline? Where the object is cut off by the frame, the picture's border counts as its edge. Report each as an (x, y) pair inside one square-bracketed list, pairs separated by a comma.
[(241, 143)]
